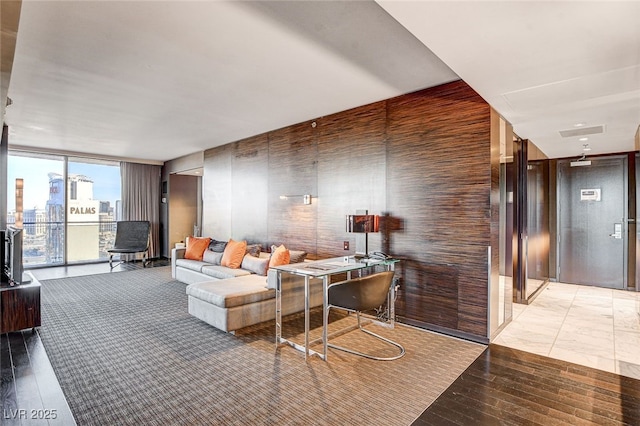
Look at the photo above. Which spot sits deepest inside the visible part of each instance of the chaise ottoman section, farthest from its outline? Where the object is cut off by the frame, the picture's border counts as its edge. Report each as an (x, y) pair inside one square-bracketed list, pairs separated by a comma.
[(233, 303), (234, 298), (232, 292), (242, 301)]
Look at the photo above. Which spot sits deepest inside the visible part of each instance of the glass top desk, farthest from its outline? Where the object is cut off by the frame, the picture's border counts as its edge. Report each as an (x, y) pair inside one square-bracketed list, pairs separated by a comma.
[(324, 269)]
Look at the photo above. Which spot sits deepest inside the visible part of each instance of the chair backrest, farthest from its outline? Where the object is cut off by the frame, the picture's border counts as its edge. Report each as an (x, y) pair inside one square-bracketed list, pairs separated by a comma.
[(361, 294), (132, 235)]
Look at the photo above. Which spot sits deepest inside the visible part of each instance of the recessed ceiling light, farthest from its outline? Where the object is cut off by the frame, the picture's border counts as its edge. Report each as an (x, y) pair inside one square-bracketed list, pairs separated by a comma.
[(579, 124), (583, 139)]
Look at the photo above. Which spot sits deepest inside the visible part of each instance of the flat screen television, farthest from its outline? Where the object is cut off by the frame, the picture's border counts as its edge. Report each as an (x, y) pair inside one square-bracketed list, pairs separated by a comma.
[(12, 260)]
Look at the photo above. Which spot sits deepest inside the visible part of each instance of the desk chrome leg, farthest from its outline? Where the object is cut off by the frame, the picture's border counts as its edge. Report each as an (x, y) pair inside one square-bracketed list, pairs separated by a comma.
[(278, 308), (306, 317), (391, 300), (325, 315), (391, 304)]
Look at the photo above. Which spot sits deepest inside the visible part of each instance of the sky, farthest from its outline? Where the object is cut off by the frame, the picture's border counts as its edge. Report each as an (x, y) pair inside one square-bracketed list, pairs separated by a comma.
[(35, 172)]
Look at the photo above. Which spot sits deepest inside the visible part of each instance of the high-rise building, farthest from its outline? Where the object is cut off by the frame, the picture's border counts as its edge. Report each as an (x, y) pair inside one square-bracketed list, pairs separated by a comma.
[(83, 219), (55, 217), (11, 217), (105, 206), (118, 210), (35, 222)]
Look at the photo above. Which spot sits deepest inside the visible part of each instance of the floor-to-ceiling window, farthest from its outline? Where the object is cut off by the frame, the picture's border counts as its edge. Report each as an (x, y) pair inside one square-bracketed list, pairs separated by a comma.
[(70, 207), (43, 223), (92, 207)]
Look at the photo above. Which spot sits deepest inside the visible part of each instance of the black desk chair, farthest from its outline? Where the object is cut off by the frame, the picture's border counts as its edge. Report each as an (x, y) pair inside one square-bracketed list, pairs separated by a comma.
[(132, 237), (359, 295)]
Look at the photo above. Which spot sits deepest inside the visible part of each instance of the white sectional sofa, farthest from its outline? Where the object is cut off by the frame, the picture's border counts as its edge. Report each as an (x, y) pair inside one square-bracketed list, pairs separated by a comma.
[(230, 299)]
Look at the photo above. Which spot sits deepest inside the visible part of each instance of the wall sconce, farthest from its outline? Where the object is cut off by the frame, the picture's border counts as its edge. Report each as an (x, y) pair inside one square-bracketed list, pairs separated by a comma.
[(306, 198), (19, 202)]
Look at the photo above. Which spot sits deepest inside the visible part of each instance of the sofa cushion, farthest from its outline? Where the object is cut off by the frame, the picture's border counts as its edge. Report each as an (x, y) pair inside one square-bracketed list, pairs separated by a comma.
[(235, 292), (234, 253), (196, 247), (222, 272), (279, 256), (254, 249), (194, 265), (257, 265), (212, 257), (217, 246), (297, 256)]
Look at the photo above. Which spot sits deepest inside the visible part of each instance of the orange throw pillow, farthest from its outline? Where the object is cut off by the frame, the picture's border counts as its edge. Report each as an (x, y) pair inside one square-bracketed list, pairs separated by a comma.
[(280, 256), (233, 254), (196, 247)]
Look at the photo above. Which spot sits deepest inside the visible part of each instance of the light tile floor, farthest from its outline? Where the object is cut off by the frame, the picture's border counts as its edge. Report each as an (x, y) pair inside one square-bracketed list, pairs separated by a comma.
[(591, 326)]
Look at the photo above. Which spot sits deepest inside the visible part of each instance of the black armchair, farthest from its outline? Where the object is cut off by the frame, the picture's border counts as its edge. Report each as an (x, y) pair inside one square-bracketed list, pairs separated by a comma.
[(359, 295), (132, 236)]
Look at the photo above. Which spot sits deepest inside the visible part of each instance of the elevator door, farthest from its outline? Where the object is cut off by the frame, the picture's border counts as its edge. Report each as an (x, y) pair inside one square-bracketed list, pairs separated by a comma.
[(592, 223)]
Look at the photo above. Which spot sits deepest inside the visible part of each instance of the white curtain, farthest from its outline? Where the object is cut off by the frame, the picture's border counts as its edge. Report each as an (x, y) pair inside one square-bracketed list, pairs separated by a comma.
[(141, 198)]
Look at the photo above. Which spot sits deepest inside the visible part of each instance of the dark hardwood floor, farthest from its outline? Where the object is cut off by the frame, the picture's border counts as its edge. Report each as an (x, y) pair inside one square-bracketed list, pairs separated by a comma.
[(29, 389), (503, 386)]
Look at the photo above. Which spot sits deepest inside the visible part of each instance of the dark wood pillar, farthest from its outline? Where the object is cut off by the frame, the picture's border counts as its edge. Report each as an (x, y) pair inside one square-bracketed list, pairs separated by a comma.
[(631, 221), (520, 156), (4, 155)]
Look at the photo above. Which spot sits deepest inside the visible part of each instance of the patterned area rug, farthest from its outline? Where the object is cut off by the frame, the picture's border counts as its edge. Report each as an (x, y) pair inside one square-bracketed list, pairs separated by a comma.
[(126, 352)]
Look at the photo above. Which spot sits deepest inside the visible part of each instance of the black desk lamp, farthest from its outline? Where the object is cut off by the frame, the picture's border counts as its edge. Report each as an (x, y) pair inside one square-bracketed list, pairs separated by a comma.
[(363, 224)]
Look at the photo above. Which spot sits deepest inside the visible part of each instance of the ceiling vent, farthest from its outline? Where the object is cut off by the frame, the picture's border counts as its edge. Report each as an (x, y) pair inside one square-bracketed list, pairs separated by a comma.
[(583, 131)]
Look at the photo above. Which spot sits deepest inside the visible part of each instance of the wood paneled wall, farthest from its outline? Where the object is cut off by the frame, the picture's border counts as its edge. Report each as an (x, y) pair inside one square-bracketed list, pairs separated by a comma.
[(424, 158), (439, 182)]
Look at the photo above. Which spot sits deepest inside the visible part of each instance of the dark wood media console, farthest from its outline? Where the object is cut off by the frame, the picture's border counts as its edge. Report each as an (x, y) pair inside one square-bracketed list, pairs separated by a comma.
[(20, 306)]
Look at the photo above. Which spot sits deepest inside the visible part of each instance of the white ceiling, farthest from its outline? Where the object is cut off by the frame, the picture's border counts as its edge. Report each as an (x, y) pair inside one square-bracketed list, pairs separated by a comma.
[(155, 81), (545, 66)]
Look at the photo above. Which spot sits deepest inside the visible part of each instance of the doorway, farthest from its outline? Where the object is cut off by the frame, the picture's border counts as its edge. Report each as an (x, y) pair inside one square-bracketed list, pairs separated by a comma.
[(185, 207), (592, 235)]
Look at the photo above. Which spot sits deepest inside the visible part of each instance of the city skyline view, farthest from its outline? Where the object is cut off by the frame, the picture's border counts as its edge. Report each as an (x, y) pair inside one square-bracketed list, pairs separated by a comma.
[(35, 172), (64, 220)]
